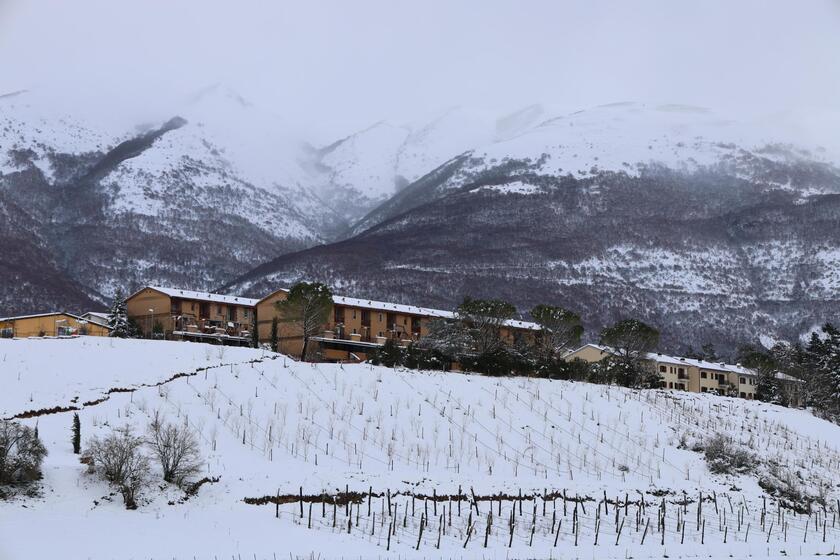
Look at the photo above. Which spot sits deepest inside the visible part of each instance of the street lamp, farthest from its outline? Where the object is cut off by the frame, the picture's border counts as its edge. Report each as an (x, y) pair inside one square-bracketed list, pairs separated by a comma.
[(151, 314)]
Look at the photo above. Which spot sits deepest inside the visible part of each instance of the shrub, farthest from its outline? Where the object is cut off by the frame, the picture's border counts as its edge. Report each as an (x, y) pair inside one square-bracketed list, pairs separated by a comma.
[(725, 457), (122, 462), (177, 450), (21, 453)]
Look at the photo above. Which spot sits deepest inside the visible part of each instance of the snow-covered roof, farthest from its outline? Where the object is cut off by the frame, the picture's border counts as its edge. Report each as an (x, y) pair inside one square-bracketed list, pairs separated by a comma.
[(203, 296), (96, 317), (702, 364), (35, 315), (677, 360), (414, 310)]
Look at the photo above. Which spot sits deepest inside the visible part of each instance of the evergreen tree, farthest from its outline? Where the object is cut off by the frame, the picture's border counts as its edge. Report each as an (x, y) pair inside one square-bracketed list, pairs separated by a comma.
[(118, 318), (631, 340), (77, 434), (561, 330), (823, 384), (255, 336), (484, 319), (762, 362)]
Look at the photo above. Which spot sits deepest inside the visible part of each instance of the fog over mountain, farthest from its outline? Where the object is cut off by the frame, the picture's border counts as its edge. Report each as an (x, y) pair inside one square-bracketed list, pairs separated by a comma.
[(675, 162)]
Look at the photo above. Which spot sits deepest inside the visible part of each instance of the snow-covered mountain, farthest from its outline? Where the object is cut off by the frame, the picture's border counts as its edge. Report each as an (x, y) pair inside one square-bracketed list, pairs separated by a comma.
[(371, 166), (193, 200), (712, 229)]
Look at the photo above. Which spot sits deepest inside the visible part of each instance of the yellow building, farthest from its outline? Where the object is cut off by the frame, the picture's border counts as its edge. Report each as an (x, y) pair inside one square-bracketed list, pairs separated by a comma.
[(356, 326), (49, 324), (172, 313), (684, 374)]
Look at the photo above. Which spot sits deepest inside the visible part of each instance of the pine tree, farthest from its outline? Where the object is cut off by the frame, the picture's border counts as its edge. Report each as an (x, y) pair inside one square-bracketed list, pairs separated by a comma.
[(118, 318), (77, 434)]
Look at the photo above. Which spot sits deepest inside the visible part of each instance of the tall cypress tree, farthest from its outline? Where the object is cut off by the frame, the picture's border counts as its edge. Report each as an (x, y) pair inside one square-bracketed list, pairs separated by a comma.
[(77, 434)]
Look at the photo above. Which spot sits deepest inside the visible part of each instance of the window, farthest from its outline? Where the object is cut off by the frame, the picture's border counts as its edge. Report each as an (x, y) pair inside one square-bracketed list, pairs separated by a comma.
[(743, 395), (245, 313), (671, 385), (680, 371), (354, 316), (703, 376), (663, 369), (743, 381), (703, 389), (218, 309), (380, 320)]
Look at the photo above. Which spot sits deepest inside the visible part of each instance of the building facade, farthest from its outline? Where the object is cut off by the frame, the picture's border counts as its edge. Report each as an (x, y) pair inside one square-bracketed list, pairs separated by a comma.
[(49, 324), (687, 374), (172, 313), (356, 327)]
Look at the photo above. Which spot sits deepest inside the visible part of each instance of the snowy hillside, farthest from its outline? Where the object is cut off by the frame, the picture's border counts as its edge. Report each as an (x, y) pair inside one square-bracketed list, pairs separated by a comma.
[(272, 427)]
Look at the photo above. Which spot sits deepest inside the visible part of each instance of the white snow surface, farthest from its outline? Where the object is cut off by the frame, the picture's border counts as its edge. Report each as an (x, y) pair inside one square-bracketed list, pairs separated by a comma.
[(268, 424)]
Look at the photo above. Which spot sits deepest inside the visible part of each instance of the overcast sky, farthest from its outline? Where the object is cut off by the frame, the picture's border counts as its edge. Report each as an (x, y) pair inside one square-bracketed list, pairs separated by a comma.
[(333, 66)]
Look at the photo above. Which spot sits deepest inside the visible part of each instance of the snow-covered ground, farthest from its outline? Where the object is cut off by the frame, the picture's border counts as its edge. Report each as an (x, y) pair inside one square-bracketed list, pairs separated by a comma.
[(270, 425)]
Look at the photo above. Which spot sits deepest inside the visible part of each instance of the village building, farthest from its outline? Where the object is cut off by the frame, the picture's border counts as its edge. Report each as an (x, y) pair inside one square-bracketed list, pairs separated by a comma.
[(97, 317), (57, 323), (171, 313), (693, 375), (356, 327)]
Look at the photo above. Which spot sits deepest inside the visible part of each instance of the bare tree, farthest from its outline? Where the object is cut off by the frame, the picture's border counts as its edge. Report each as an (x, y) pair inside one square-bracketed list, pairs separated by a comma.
[(123, 464), (308, 305), (176, 448)]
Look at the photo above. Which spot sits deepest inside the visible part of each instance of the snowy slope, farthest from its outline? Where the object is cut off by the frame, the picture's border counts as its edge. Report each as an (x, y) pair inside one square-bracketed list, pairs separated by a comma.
[(269, 425)]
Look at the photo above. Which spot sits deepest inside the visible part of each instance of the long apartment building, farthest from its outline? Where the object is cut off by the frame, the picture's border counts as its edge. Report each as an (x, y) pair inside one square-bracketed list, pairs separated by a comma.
[(688, 374), (357, 326)]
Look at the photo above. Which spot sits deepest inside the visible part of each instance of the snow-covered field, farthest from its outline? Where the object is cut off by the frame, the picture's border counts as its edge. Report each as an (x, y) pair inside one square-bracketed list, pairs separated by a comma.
[(270, 425)]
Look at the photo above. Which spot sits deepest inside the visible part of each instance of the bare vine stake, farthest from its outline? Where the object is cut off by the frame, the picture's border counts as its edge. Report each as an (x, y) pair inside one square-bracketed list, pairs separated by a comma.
[(618, 535), (277, 505), (770, 531), (469, 533), (531, 540), (301, 502), (644, 534), (703, 533), (440, 530), (597, 530), (390, 530), (420, 534), (682, 533), (557, 534), (309, 521)]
